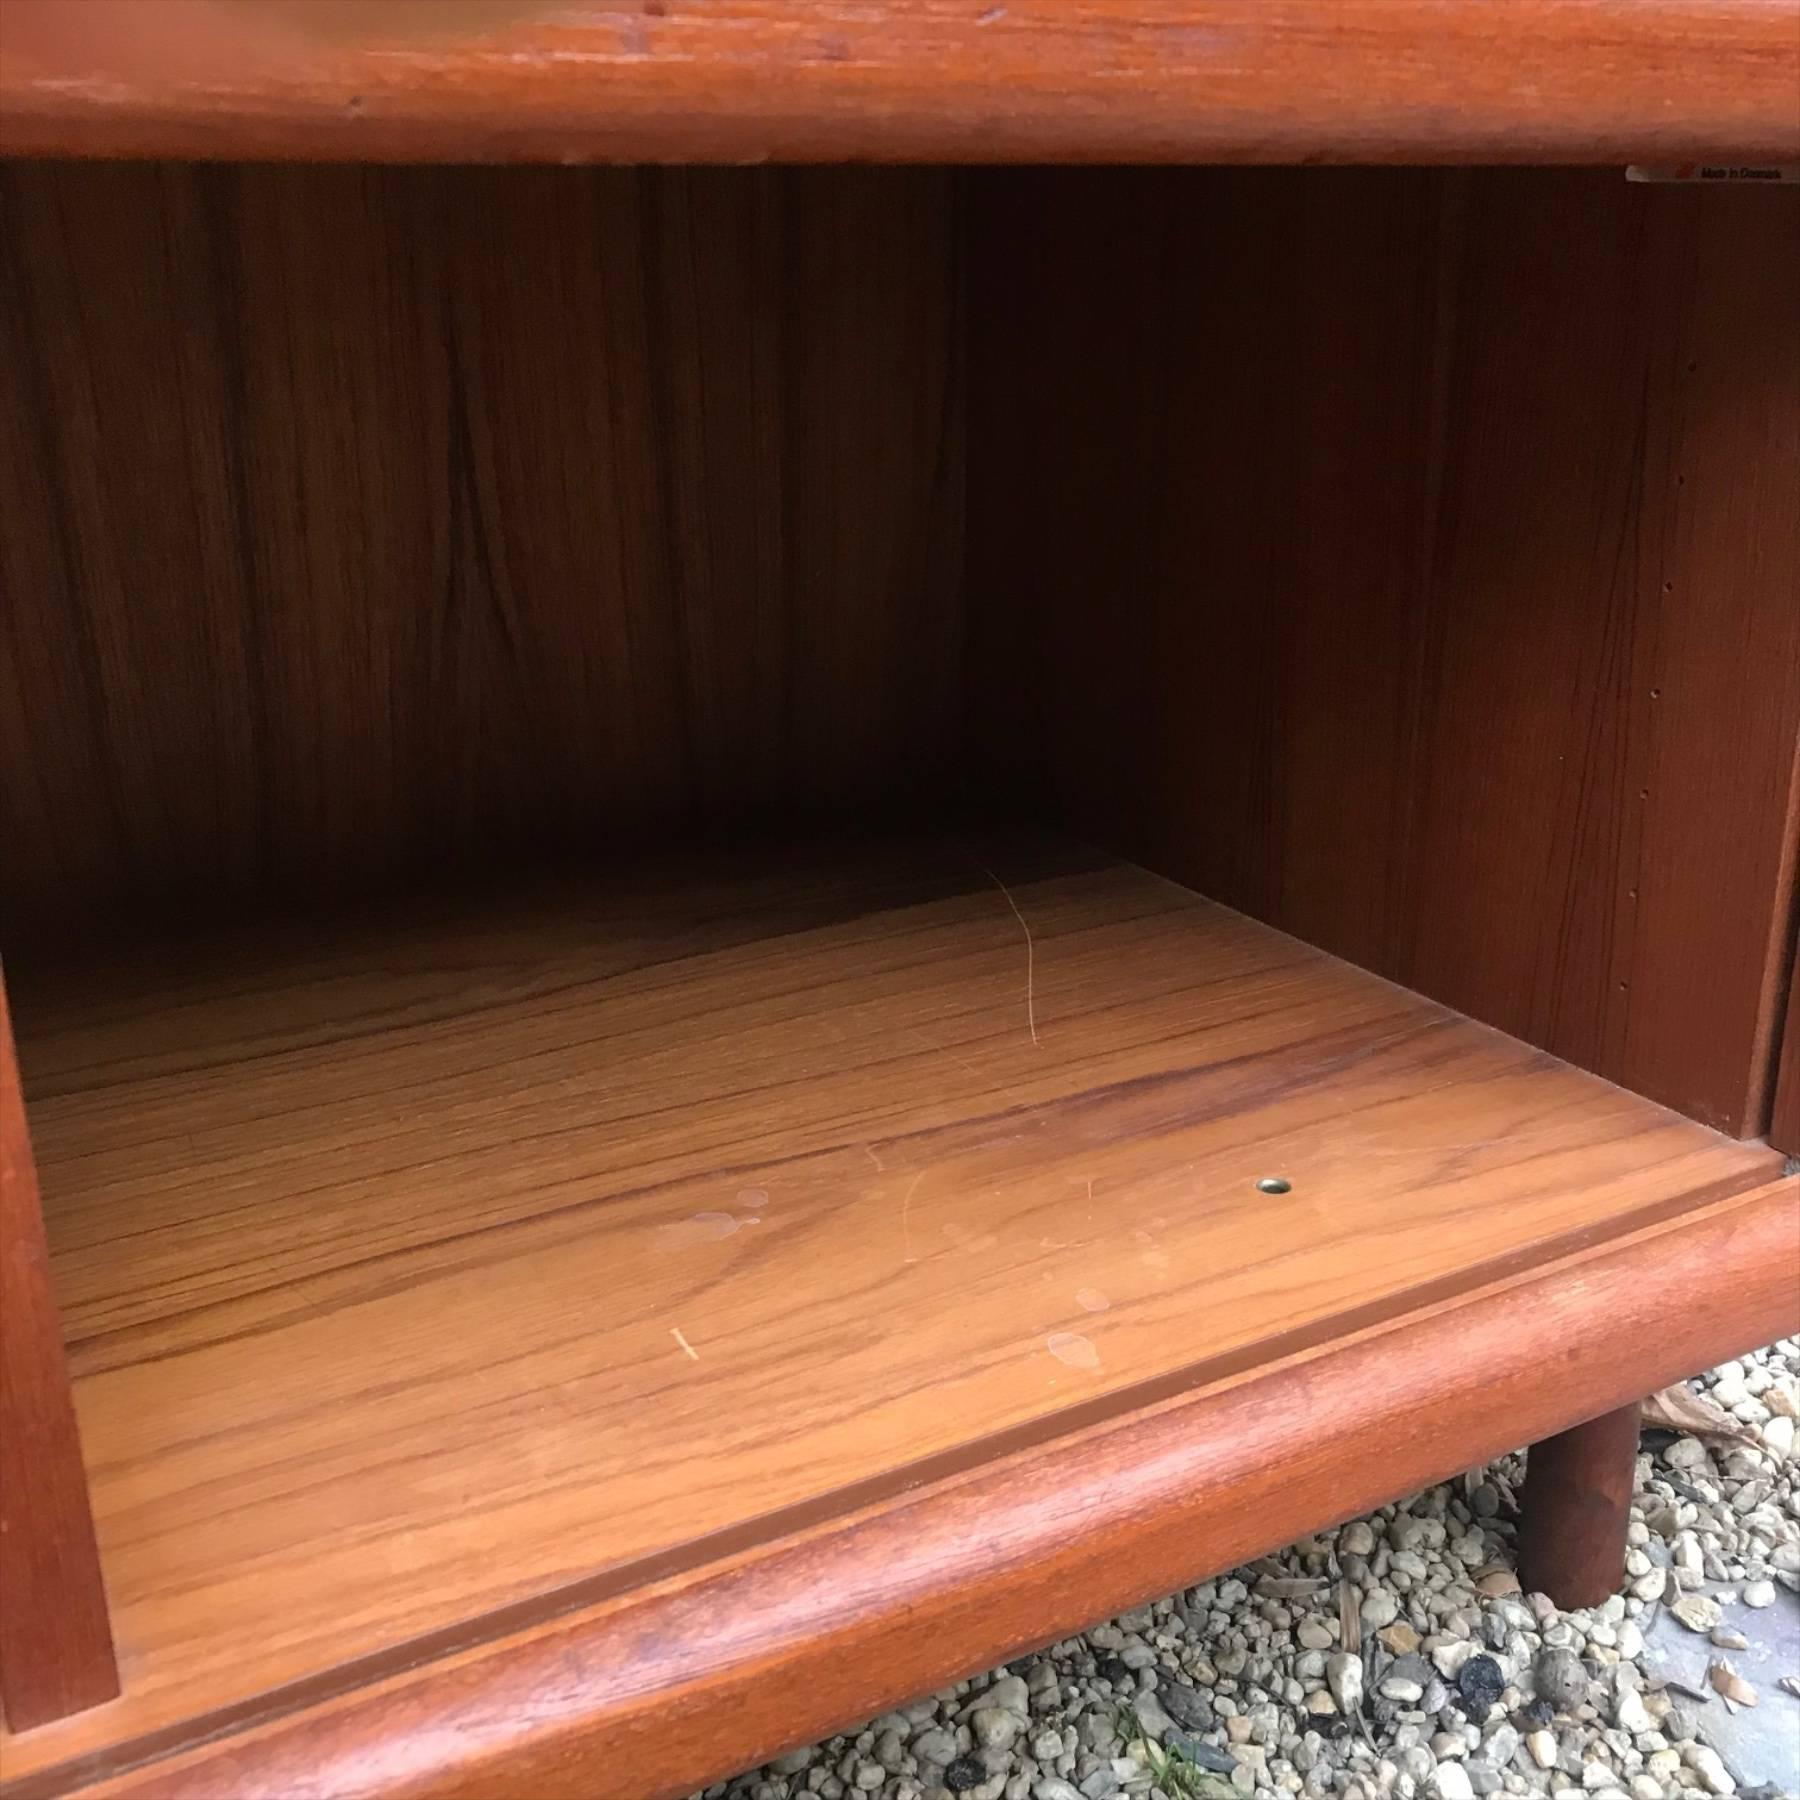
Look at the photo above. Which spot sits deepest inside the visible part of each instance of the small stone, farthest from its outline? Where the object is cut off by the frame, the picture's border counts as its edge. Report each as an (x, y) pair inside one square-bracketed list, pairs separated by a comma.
[(1053, 1787), (1357, 1539), (1187, 1706), (966, 1773), (1631, 1640), (1315, 1634), (1758, 1594), (1450, 1781), (1646, 1787), (1697, 1612), (1397, 1687), (1542, 1746), (1561, 1679), (1724, 1638), (1238, 1729), (1480, 1682), (936, 1746), (1344, 1677), (995, 1727), (1379, 1608), (1449, 1658), (869, 1776), (1709, 1767), (1484, 1778), (1399, 1637), (1778, 1436), (1500, 1581), (1012, 1692), (1629, 1714), (1154, 1722), (1650, 1586)]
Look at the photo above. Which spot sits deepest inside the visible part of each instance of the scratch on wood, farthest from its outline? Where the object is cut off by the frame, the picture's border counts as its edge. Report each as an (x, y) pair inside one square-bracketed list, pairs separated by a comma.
[(680, 1337), (906, 1214), (1030, 957)]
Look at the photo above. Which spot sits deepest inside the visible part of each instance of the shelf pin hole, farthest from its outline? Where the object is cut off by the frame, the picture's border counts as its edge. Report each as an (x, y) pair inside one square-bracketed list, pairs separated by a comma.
[(1274, 1184)]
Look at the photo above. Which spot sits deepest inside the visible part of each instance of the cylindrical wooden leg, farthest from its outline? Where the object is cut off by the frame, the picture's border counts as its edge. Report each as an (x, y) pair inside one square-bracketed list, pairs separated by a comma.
[(1576, 1507)]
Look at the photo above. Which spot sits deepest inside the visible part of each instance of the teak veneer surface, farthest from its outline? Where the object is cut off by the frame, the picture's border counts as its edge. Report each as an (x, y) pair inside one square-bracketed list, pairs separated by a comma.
[(942, 80), (422, 1266)]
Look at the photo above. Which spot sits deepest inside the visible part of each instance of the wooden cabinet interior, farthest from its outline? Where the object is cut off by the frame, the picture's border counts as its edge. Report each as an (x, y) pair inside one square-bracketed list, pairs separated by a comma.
[(430, 600), (1402, 556)]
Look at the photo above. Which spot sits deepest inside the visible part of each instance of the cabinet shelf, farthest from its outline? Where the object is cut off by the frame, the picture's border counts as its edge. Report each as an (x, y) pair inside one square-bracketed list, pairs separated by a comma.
[(432, 1275)]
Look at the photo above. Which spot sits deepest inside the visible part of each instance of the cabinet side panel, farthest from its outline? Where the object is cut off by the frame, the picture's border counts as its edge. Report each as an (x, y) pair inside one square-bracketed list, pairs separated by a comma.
[(1410, 559), (362, 520), (56, 1654)]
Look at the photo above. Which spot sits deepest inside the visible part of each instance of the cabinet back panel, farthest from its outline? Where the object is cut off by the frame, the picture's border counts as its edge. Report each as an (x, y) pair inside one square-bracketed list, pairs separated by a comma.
[(359, 520), (1412, 559)]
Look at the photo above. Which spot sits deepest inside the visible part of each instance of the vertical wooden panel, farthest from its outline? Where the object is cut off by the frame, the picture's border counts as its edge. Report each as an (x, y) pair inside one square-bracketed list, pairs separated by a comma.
[(1410, 559), (56, 1654), (363, 519), (1784, 1124)]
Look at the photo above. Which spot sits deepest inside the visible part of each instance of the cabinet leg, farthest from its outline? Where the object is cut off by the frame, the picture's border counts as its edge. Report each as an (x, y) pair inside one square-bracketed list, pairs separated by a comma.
[(1576, 1507)]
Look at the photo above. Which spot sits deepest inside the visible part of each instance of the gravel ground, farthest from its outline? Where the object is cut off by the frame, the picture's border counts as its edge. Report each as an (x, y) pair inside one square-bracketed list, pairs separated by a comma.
[(1454, 1683)]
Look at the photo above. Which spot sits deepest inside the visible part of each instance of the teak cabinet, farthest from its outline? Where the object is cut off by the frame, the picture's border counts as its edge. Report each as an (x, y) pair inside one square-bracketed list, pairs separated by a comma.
[(771, 928)]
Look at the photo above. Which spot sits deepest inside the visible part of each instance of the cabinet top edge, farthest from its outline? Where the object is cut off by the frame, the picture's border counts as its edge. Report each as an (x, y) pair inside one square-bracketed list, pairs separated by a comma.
[(1434, 81)]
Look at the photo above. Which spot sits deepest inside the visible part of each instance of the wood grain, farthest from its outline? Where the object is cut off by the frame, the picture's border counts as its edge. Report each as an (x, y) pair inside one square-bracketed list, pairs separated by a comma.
[(368, 522), (1577, 1506), (1409, 559), (56, 1654), (651, 1693), (923, 80), (417, 1269)]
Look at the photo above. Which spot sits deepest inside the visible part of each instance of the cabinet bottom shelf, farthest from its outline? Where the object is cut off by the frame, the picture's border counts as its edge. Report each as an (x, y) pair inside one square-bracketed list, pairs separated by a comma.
[(447, 1281)]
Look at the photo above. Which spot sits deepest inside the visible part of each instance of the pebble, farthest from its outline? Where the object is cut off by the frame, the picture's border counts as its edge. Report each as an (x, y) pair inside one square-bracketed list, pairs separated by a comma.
[(1697, 1612), (1379, 1608), (995, 1727), (1471, 1690), (1560, 1678), (1709, 1768), (1344, 1677)]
